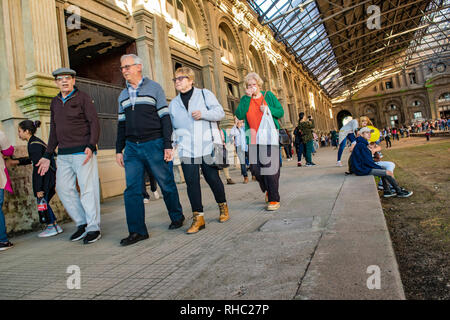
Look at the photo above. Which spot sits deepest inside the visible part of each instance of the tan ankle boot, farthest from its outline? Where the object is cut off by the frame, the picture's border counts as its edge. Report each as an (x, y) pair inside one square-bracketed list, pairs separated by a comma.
[(224, 216), (198, 223)]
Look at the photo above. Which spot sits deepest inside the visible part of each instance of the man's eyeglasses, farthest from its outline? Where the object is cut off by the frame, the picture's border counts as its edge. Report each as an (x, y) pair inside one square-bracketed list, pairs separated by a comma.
[(179, 78), (61, 78), (127, 67)]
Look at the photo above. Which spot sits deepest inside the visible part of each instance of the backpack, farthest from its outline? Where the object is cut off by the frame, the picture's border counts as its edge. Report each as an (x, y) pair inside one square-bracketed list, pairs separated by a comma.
[(284, 138)]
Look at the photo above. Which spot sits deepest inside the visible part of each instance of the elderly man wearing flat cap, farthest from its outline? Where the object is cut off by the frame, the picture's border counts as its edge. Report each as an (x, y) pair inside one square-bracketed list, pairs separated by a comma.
[(75, 130)]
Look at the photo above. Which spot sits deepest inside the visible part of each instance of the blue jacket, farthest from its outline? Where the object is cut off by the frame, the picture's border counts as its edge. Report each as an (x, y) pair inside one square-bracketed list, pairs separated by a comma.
[(361, 158)]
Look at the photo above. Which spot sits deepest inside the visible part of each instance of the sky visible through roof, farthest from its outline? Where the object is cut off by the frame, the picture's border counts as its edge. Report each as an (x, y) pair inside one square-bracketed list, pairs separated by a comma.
[(304, 35), (291, 29)]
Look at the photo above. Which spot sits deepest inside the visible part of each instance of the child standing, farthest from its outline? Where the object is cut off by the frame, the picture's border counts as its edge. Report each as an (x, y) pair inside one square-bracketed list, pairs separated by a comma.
[(43, 186)]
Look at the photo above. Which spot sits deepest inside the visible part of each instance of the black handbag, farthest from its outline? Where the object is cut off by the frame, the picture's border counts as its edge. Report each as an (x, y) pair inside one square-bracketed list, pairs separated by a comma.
[(219, 153)]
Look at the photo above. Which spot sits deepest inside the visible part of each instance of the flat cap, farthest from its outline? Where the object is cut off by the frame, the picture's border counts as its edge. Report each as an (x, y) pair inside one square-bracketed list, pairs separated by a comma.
[(61, 71)]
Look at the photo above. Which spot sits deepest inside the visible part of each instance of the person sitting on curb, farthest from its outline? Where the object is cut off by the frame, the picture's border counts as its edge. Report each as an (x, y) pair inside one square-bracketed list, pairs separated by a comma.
[(363, 165)]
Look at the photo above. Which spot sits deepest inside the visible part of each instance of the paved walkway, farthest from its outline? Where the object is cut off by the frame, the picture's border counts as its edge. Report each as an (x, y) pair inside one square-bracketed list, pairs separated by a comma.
[(318, 245)]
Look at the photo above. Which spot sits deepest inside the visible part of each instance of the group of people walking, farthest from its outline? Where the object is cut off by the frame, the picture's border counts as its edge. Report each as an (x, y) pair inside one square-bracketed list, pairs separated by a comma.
[(148, 130)]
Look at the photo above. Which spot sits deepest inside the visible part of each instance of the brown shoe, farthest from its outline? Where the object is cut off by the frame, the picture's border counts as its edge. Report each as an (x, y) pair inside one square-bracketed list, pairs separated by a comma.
[(245, 180), (198, 223), (253, 178), (224, 215), (229, 181)]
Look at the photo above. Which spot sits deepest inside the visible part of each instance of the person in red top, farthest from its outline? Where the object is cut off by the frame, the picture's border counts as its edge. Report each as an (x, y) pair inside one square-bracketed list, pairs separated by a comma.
[(264, 159)]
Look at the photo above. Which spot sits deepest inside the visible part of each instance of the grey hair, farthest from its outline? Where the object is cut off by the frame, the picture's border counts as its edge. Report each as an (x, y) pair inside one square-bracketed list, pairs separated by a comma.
[(136, 59)]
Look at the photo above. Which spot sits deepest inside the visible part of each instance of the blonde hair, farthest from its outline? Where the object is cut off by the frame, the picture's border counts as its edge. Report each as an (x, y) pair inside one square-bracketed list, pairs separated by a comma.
[(254, 76), (186, 71), (364, 118)]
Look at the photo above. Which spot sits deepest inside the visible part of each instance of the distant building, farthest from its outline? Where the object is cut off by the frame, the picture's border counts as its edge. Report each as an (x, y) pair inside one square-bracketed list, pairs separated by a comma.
[(421, 92)]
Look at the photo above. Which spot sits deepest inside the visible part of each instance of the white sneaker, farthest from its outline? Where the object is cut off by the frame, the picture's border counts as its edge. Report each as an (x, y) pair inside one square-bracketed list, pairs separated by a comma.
[(339, 164), (156, 194), (50, 231)]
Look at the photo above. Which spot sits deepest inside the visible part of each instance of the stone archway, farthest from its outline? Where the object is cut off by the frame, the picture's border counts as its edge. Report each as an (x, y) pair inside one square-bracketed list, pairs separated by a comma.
[(341, 116)]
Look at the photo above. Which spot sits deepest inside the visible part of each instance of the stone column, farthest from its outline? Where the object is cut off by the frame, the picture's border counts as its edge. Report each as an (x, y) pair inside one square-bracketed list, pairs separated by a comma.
[(61, 22), (159, 63), (432, 101), (43, 55), (145, 42), (420, 75)]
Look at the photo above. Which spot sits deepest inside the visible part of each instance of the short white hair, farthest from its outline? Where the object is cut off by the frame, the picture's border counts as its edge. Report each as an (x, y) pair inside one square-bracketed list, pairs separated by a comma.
[(136, 59)]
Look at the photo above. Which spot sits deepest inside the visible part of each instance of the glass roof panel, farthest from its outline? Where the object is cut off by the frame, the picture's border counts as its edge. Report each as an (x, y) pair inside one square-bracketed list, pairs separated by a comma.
[(302, 32)]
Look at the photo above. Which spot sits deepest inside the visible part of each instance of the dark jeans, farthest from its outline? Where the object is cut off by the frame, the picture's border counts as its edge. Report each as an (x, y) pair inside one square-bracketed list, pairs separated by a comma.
[(388, 142), (341, 149), (386, 179), (191, 173), (151, 154), (243, 156), (3, 235), (152, 180), (301, 150), (288, 150), (265, 166)]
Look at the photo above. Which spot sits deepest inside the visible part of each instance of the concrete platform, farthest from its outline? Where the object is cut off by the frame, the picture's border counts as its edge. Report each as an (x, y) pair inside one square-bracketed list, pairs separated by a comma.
[(323, 243)]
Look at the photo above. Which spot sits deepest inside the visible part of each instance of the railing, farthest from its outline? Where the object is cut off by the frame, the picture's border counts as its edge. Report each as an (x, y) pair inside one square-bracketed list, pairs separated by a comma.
[(105, 100)]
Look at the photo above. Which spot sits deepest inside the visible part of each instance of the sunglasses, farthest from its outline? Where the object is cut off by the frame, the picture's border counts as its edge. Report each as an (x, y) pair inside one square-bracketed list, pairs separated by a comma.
[(179, 78)]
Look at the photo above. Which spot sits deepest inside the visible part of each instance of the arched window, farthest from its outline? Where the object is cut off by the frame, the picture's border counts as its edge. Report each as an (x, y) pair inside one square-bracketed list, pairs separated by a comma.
[(226, 48), (184, 23)]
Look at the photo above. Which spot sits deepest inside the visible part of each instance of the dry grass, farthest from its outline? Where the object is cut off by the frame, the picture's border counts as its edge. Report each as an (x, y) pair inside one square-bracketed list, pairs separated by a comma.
[(420, 225)]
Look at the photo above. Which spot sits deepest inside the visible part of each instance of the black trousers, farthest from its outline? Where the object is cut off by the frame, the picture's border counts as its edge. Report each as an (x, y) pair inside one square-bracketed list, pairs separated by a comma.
[(191, 173), (153, 186), (265, 166), (388, 141)]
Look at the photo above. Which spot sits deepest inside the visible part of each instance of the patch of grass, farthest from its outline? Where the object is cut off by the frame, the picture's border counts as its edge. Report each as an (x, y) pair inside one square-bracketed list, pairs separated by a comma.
[(420, 225)]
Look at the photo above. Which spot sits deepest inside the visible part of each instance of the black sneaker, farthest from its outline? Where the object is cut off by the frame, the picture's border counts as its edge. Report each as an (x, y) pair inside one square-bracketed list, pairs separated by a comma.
[(5, 246), (404, 193), (79, 234), (388, 194), (92, 236)]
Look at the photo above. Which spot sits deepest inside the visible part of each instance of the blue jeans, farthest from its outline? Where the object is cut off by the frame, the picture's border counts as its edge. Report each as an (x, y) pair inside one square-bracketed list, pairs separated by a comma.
[(3, 235), (341, 149), (151, 154)]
